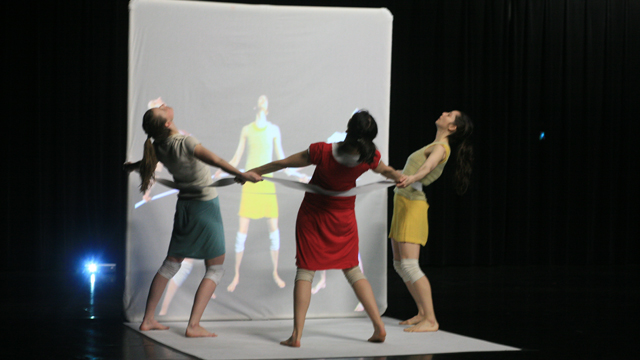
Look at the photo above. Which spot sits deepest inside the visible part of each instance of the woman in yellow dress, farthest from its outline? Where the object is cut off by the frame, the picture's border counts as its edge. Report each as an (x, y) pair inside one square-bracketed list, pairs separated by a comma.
[(409, 225)]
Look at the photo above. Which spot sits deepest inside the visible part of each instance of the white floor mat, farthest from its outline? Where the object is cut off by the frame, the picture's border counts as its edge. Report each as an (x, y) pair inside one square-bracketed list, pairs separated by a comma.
[(322, 338)]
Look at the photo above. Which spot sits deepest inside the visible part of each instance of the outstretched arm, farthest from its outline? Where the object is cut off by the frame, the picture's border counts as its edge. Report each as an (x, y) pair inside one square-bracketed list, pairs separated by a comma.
[(389, 172), (208, 157), (434, 156), (296, 160)]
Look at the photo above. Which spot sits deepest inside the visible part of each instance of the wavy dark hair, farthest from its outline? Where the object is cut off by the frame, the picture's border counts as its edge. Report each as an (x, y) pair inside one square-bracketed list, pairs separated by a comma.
[(361, 130), (461, 140), (153, 126)]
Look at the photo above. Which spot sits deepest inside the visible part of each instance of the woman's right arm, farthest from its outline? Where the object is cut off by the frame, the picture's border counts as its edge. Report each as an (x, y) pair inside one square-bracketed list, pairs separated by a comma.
[(208, 157), (435, 155), (389, 172), (300, 159)]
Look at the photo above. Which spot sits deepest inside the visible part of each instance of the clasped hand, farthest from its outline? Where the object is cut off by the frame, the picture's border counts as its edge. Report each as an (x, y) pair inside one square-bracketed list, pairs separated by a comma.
[(248, 176)]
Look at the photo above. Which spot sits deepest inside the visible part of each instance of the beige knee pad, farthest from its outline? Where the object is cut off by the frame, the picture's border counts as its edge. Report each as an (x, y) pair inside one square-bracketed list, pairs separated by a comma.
[(354, 274), (411, 267), (169, 269), (305, 275), (214, 273), (398, 269)]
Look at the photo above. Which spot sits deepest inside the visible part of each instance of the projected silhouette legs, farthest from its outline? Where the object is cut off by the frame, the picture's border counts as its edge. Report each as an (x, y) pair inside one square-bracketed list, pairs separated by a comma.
[(241, 238), (322, 283)]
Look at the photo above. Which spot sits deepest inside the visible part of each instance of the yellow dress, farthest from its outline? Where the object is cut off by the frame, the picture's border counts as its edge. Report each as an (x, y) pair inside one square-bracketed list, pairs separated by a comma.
[(259, 199), (410, 222)]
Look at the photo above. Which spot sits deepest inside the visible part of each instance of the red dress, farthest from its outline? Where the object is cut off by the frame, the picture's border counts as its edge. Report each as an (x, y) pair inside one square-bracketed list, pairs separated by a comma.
[(326, 228)]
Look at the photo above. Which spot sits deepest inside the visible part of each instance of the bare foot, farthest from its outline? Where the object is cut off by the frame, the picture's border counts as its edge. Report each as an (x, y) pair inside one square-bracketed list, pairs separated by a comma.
[(233, 284), (414, 320), (424, 326), (278, 281), (152, 325), (379, 335), (291, 342), (319, 286), (198, 331)]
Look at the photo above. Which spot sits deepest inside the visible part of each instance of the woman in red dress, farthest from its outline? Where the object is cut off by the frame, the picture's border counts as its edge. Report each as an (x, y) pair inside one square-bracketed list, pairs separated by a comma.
[(326, 229)]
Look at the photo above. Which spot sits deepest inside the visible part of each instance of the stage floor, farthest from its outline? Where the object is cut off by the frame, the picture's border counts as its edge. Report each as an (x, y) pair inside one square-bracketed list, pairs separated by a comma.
[(548, 312), (322, 338)]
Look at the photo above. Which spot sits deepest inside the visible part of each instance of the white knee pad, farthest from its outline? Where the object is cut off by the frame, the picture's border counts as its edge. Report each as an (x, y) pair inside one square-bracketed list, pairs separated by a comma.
[(354, 274), (214, 273), (275, 240), (169, 269), (305, 275), (412, 269), (398, 269), (240, 239), (183, 273)]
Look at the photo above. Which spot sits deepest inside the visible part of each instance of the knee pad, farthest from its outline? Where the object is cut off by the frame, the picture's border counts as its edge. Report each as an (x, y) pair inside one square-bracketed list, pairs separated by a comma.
[(398, 269), (214, 273), (240, 239), (305, 275), (169, 269), (354, 274), (412, 269), (183, 273), (275, 240)]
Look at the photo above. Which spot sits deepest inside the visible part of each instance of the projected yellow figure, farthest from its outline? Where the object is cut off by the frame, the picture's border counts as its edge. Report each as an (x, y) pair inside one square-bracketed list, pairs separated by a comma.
[(262, 140)]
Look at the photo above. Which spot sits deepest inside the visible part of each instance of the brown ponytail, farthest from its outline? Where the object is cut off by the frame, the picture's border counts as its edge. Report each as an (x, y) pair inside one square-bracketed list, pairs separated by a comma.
[(461, 139), (148, 166), (154, 127)]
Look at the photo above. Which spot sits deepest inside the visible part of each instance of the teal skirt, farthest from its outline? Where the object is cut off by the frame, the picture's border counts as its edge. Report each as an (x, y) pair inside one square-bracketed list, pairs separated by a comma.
[(197, 230)]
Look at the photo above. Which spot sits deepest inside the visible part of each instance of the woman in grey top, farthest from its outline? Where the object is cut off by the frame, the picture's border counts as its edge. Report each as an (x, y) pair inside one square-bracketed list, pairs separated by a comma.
[(197, 229)]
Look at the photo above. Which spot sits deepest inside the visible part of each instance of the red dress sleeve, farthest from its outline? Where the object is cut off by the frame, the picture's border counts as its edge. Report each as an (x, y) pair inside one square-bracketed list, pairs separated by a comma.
[(376, 160), (315, 153)]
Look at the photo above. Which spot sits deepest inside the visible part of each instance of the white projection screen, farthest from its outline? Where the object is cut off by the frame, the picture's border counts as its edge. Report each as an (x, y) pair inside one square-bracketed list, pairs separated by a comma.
[(211, 62)]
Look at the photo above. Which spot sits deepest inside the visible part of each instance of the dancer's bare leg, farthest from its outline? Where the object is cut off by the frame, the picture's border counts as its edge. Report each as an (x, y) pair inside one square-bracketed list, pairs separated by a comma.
[(423, 294), (395, 247), (359, 307), (155, 293), (417, 318), (322, 283), (420, 291), (364, 293), (243, 229), (301, 300), (203, 295), (273, 226)]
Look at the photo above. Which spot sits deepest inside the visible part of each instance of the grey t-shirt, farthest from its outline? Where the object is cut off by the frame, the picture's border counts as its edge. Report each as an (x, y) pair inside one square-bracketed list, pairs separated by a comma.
[(176, 153)]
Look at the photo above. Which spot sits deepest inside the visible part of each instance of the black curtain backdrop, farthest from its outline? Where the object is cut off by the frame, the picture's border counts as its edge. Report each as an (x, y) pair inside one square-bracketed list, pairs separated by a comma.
[(568, 68)]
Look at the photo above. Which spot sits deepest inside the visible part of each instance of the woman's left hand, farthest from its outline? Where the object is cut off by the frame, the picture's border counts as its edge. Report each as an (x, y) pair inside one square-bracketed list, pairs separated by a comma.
[(248, 176), (408, 180)]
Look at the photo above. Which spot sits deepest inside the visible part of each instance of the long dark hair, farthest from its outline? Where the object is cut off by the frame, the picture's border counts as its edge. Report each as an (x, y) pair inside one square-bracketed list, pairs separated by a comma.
[(153, 126), (361, 130), (461, 139)]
